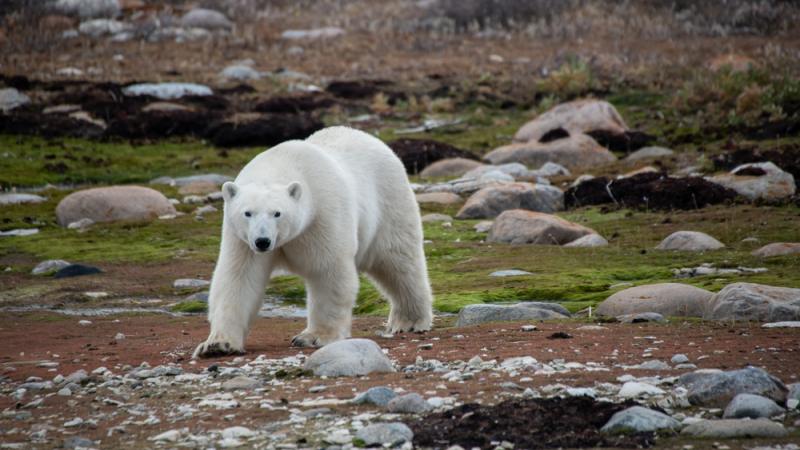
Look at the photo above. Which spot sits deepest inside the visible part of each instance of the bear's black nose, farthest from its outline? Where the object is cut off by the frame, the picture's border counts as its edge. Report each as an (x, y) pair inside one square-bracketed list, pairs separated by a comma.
[(263, 244)]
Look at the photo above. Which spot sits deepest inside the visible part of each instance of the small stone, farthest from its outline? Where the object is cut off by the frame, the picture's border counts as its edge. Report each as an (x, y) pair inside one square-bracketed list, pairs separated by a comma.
[(349, 357), (385, 434), (189, 283), (168, 436), (694, 241), (74, 442), (634, 389), (408, 404), (316, 389), (76, 422), (428, 218), (786, 324), (119, 337), (378, 395), (66, 392), (84, 323), (237, 432), (653, 364), (18, 199), (588, 241), (240, 382), (528, 328), (639, 419), (679, 358), (509, 273), (49, 266)]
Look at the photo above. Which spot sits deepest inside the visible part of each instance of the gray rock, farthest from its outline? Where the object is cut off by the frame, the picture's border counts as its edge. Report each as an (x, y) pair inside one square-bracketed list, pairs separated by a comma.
[(575, 152), (114, 203), (773, 184), (668, 299), (50, 266), (439, 198), (519, 226), (793, 397), (378, 395), (477, 314), (550, 306), (638, 419), (777, 249), (240, 382), (436, 217), (88, 9), (78, 377), (649, 153), (784, 324), (240, 72), (491, 201), (167, 91), (752, 406), (314, 33), (207, 19), (102, 27), (18, 199), (679, 358), (690, 241), (391, 433), (349, 357), (590, 240), (576, 118), (449, 168), (717, 388), (641, 318), (653, 364), (735, 428), (514, 170), (509, 273), (408, 404), (11, 98), (213, 178), (198, 297), (189, 283), (20, 232), (749, 301), (73, 442)]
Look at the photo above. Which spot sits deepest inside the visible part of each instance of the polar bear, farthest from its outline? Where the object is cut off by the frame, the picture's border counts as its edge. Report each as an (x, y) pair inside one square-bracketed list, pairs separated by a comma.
[(326, 208)]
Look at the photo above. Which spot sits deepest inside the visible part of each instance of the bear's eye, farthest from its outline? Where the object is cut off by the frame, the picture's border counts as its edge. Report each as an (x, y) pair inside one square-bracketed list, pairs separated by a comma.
[(277, 214), (247, 214)]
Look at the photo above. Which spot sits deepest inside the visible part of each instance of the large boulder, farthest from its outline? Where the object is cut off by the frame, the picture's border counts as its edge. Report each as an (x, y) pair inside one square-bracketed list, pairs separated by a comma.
[(750, 301), (758, 181), (208, 19), (690, 241), (519, 226), (449, 168), (668, 299), (752, 406), (575, 152), (588, 241), (493, 200), (350, 357), (639, 419), (777, 249), (576, 117), (477, 314), (112, 204), (718, 388), (735, 428), (88, 9)]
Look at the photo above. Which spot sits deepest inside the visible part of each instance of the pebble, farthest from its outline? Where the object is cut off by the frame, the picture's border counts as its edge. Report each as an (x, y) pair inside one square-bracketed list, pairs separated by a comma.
[(679, 358), (76, 422), (237, 432), (169, 436), (84, 323), (509, 273), (189, 283)]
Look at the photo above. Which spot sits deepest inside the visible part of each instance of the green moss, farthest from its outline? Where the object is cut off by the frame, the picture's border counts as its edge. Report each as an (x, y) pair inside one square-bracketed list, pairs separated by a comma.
[(190, 307)]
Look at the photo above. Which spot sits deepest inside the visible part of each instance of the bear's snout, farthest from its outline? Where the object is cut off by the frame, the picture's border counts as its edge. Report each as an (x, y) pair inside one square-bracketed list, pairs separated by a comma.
[(262, 244)]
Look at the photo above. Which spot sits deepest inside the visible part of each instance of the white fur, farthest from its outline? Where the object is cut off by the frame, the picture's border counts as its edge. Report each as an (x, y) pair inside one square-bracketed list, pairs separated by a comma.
[(345, 207)]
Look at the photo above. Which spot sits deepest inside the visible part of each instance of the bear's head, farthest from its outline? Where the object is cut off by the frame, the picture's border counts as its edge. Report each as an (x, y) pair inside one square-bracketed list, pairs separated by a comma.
[(264, 216)]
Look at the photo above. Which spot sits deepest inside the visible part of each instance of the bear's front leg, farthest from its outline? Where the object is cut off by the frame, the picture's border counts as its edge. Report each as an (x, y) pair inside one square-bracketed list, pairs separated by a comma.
[(330, 301), (235, 297)]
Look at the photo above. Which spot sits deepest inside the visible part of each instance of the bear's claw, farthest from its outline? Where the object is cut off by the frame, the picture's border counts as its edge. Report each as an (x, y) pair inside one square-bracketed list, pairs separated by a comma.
[(216, 349), (302, 340)]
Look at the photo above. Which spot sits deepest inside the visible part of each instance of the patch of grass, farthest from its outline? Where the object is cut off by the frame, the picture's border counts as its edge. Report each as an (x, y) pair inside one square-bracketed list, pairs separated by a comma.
[(190, 307)]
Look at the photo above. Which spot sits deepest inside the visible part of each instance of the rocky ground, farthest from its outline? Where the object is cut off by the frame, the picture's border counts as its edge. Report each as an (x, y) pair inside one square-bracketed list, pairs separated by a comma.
[(610, 213)]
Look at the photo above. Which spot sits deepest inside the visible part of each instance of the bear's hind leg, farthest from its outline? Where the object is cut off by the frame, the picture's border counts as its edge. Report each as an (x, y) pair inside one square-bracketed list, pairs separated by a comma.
[(330, 301), (403, 279)]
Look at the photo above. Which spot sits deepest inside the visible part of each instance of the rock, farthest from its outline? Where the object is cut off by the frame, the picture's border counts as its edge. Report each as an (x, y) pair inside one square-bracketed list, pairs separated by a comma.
[(378, 395), (167, 91), (793, 397), (641, 318), (668, 299), (78, 377), (514, 169), (519, 226), (88, 9), (349, 357), (237, 432), (189, 283), (590, 240), (653, 364), (76, 270), (649, 153), (11, 98), (638, 419), (679, 358), (379, 434), (74, 442), (635, 389), (509, 273), (207, 19), (198, 188), (115, 203), (551, 169), (717, 388), (20, 232), (573, 118), (477, 314), (694, 241), (18, 199), (758, 181), (314, 33), (240, 72), (50, 266), (102, 27), (436, 217), (240, 382), (749, 301), (61, 109), (575, 152), (168, 436), (166, 107), (440, 198), (735, 428), (449, 168), (468, 185), (786, 324), (418, 154), (752, 406), (213, 178), (777, 249), (203, 210), (408, 404), (82, 224), (483, 226), (491, 201)]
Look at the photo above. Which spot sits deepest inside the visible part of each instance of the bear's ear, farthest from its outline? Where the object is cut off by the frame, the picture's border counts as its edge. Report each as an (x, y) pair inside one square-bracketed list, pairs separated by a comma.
[(295, 191), (229, 190)]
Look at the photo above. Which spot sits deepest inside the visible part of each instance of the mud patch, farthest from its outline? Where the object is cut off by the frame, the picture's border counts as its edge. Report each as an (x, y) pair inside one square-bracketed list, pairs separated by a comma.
[(626, 142), (649, 191), (571, 422), (266, 131), (787, 158), (417, 154)]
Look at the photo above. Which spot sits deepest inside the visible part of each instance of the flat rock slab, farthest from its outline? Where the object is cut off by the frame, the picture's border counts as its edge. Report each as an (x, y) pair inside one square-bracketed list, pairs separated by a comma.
[(379, 434), (751, 406), (439, 198), (575, 117), (18, 199), (377, 395), (692, 241), (787, 324), (449, 168), (639, 419), (491, 201), (718, 388), (667, 299), (756, 302), (778, 249), (477, 314), (735, 428), (115, 203), (350, 357), (167, 91), (649, 153), (575, 152), (588, 241), (519, 226)]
